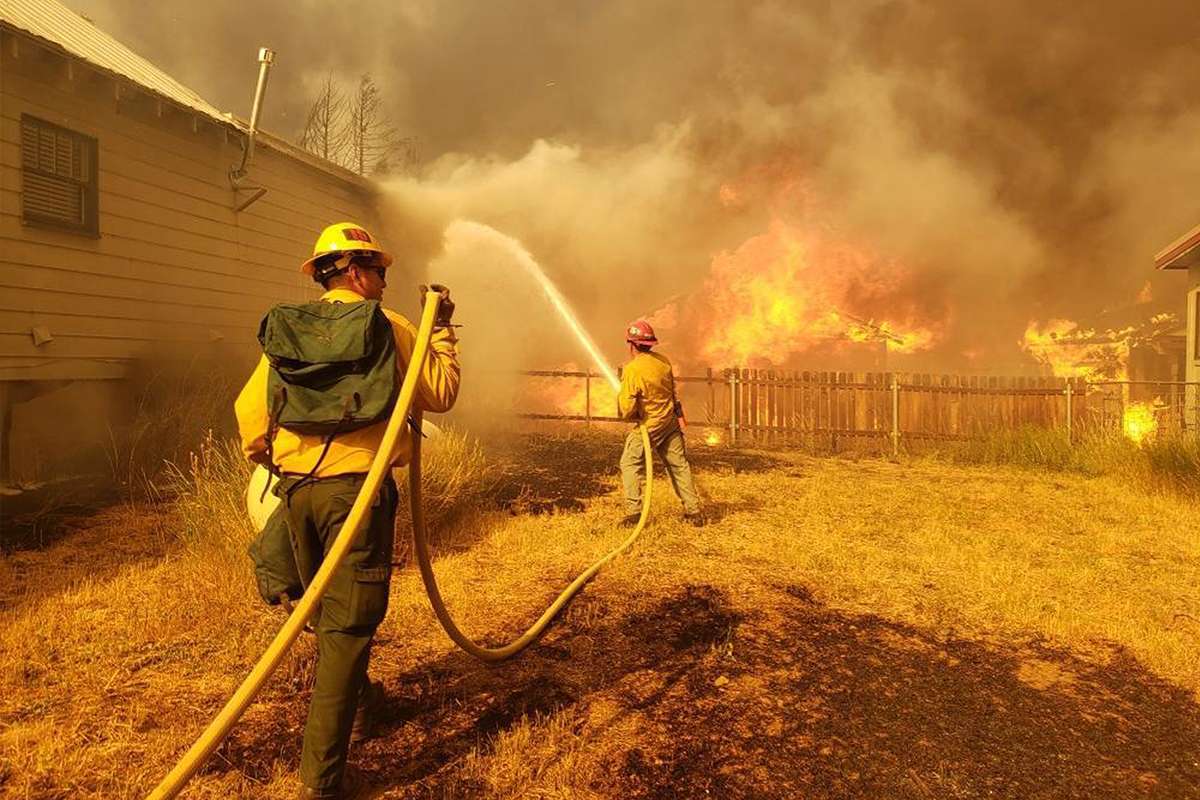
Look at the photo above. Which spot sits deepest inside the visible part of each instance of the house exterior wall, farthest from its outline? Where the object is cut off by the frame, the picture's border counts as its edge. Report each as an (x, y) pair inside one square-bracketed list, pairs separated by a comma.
[(1193, 310), (173, 264), (174, 270)]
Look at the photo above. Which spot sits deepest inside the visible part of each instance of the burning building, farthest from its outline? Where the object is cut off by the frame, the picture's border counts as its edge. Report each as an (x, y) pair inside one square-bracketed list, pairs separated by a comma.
[(124, 223)]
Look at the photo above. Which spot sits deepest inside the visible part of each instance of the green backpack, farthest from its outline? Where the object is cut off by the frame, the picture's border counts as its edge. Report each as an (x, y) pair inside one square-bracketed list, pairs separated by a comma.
[(333, 368)]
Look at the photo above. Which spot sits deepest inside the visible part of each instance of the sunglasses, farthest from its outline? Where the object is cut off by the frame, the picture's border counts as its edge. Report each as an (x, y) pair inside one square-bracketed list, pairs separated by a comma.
[(370, 263)]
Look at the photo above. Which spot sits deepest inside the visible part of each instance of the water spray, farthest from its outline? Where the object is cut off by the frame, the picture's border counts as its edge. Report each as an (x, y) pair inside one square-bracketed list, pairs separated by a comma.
[(474, 230), (468, 231)]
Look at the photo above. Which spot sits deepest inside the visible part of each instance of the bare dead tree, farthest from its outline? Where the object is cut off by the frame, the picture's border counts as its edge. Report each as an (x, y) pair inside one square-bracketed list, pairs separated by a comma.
[(325, 130), (354, 131), (374, 145)]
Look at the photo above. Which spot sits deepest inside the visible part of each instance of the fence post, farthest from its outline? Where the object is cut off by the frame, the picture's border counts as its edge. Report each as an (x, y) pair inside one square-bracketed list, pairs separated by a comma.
[(587, 397), (1070, 411), (733, 409), (895, 416), (712, 395)]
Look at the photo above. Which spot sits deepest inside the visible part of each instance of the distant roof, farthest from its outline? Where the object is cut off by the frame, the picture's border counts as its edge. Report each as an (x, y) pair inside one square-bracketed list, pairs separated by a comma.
[(55, 23), (61, 28), (1182, 253)]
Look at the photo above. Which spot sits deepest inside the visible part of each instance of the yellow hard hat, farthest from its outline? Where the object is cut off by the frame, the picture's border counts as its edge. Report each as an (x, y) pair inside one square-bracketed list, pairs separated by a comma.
[(345, 237)]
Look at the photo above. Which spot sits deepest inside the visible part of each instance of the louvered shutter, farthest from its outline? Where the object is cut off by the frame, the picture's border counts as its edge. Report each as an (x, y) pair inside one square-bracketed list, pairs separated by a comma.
[(58, 177)]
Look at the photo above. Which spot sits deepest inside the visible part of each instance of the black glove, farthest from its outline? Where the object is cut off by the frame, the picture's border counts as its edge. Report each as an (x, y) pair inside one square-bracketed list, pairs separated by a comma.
[(445, 307)]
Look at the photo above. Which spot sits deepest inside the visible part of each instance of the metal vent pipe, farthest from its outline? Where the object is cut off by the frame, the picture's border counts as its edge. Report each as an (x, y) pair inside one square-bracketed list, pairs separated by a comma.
[(266, 57)]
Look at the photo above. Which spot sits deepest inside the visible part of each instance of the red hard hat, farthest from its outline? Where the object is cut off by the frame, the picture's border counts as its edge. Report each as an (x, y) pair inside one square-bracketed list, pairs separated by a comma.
[(640, 332)]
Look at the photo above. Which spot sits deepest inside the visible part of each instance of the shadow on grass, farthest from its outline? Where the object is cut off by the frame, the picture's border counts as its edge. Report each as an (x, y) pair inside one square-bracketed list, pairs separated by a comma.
[(88, 547), (814, 703), (37, 518), (840, 705)]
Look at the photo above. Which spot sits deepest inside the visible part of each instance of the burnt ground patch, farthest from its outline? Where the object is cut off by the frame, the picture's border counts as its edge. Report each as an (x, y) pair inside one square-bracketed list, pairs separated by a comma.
[(791, 700), (736, 461), (538, 474)]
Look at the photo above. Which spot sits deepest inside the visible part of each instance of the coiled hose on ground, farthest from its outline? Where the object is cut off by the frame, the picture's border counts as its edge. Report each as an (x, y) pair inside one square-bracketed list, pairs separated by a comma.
[(421, 545), (211, 737)]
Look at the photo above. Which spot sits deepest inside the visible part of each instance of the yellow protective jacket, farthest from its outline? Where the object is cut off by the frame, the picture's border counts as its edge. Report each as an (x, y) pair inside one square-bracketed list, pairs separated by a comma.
[(352, 451), (648, 394)]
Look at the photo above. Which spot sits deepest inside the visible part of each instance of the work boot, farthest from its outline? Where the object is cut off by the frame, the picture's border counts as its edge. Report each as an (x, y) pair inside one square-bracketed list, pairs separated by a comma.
[(630, 520), (369, 701), (352, 783), (695, 519)]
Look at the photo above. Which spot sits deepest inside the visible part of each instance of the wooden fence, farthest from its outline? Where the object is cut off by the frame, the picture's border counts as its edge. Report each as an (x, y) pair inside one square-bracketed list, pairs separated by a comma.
[(834, 408)]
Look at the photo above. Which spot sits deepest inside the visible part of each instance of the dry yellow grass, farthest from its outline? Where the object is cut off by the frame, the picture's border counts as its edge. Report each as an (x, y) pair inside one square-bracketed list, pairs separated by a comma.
[(109, 673)]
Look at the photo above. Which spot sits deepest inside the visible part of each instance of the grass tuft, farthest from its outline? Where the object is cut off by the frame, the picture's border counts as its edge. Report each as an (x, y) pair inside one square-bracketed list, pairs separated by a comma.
[(1168, 464)]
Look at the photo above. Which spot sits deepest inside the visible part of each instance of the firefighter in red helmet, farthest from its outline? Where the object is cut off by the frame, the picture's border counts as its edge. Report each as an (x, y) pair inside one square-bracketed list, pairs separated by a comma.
[(647, 395)]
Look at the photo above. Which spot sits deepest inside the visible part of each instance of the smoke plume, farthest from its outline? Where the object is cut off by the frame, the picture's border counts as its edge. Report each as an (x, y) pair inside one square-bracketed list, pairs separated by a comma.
[(986, 163)]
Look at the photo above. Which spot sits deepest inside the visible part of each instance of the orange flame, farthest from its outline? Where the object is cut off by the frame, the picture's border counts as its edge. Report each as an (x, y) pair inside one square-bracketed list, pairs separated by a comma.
[(567, 395), (790, 289), (1139, 422), (1074, 352)]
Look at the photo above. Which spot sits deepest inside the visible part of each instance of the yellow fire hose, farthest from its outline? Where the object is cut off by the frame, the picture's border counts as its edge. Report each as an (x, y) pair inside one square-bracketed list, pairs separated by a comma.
[(220, 726), (421, 545)]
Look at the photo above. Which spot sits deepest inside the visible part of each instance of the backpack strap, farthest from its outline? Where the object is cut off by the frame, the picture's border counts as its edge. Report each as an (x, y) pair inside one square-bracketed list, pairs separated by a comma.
[(272, 428)]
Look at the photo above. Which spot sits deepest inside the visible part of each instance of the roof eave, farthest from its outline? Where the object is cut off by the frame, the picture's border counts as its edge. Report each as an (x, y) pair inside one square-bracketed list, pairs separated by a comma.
[(286, 148), (225, 119), (1183, 253), (50, 44)]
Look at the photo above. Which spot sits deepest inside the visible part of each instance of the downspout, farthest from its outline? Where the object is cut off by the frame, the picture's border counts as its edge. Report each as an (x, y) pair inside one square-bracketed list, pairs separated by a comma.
[(237, 175)]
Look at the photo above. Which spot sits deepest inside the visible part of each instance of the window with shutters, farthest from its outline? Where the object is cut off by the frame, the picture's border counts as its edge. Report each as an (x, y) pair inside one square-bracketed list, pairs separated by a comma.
[(58, 177)]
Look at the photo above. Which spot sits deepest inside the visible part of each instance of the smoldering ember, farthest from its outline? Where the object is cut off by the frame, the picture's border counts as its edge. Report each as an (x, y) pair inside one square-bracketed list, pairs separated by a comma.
[(599, 400)]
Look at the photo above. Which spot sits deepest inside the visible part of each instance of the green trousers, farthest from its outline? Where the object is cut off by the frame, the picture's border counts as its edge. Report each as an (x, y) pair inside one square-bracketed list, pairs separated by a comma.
[(351, 609), (670, 453)]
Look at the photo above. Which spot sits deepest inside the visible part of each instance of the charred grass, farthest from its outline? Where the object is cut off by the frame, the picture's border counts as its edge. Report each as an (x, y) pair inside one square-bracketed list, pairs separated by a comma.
[(842, 629)]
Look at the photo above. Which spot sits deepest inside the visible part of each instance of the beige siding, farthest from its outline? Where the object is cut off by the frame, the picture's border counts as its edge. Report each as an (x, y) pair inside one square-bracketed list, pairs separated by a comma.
[(174, 264), (1192, 314)]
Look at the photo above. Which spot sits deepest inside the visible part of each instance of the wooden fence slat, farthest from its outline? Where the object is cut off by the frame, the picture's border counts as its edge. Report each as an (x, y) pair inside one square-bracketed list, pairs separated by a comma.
[(744, 399), (771, 418), (860, 403)]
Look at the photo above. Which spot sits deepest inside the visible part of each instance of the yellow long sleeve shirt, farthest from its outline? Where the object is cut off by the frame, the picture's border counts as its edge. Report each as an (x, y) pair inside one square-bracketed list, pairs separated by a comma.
[(648, 394), (352, 451)]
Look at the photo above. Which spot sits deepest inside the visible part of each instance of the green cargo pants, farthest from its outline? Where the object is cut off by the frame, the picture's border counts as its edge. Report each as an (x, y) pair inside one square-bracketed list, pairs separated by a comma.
[(670, 453), (351, 609)]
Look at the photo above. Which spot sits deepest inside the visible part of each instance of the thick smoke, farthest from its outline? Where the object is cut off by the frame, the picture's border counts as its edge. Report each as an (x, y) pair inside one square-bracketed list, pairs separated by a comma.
[(1019, 160)]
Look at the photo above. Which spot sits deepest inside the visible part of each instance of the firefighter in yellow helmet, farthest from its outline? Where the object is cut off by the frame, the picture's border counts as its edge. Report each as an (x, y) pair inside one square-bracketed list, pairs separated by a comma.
[(320, 475), (648, 395), (340, 246)]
